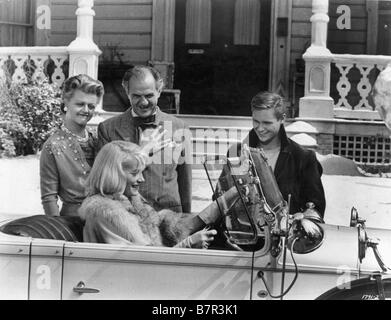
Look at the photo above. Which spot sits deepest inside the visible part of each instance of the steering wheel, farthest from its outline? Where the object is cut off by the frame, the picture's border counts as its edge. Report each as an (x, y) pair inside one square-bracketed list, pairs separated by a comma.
[(222, 240), (229, 243)]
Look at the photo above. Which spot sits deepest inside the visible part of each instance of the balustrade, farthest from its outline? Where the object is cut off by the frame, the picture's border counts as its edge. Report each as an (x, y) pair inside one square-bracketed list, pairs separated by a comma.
[(349, 90), (56, 63), (352, 75), (34, 63)]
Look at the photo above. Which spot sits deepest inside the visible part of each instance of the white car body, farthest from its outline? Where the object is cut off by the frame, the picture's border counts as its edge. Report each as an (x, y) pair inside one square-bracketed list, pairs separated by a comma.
[(51, 269)]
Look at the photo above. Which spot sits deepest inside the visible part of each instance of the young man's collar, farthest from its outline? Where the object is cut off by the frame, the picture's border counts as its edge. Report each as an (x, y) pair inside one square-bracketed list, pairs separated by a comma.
[(283, 137)]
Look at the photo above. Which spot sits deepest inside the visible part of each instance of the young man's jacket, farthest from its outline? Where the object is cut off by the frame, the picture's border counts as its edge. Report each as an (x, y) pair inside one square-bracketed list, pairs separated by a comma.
[(168, 183), (297, 172)]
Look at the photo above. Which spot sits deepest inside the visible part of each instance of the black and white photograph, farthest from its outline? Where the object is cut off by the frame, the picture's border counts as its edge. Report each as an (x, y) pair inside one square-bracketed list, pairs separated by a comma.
[(195, 153)]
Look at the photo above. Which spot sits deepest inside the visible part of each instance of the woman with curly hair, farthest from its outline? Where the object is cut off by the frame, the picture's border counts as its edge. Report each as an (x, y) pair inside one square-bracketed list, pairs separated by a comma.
[(68, 155), (115, 212)]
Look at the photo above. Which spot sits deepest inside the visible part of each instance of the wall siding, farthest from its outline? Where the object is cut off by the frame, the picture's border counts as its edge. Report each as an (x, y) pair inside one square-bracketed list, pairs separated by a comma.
[(301, 28), (16, 11), (123, 24), (339, 41), (345, 41), (127, 25), (301, 38)]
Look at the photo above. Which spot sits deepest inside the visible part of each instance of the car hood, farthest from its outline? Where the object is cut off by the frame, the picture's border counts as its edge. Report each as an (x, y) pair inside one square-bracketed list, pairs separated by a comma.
[(340, 250)]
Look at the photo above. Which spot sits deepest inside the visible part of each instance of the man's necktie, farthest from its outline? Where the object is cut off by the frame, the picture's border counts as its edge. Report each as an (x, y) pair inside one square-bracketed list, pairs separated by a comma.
[(145, 123)]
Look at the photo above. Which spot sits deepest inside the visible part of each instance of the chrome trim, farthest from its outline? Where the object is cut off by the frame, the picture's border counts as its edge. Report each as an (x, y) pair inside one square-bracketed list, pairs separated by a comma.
[(81, 288)]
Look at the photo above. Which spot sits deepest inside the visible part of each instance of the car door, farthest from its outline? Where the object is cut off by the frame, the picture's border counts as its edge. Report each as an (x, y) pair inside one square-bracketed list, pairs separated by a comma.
[(103, 271), (46, 269), (14, 267)]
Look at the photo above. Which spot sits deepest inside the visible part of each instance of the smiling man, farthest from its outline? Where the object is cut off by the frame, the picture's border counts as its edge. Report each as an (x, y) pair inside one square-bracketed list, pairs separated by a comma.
[(167, 183), (297, 171)]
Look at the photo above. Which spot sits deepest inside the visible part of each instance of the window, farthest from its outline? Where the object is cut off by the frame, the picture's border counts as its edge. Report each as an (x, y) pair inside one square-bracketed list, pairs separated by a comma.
[(16, 23), (247, 22), (198, 21)]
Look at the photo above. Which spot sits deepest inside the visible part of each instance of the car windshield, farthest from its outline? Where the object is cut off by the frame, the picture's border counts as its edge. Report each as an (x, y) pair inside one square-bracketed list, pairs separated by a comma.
[(243, 223)]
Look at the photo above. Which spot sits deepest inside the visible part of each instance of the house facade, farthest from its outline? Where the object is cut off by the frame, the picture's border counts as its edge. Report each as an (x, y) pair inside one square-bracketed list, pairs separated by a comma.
[(216, 54)]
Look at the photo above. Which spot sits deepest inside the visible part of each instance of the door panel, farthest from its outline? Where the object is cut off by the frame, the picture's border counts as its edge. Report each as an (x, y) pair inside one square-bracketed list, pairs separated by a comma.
[(14, 267), (46, 269), (156, 273), (220, 77)]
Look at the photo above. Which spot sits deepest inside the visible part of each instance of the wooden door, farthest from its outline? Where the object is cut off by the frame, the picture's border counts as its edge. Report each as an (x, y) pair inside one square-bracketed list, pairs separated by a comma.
[(384, 28), (219, 69)]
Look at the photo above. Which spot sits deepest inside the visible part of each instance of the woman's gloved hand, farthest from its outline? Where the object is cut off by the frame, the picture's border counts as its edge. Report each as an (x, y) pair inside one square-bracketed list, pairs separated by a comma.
[(202, 238)]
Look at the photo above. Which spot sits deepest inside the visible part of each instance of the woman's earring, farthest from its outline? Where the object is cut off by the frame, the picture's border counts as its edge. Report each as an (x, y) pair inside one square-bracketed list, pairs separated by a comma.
[(65, 109)]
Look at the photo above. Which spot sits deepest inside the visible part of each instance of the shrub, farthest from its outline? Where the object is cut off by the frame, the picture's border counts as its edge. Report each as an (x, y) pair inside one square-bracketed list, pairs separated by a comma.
[(10, 124), (7, 146), (29, 112)]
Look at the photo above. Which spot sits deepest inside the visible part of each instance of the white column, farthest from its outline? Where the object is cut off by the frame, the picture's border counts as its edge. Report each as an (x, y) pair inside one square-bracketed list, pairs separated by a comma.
[(317, 102), (83, 52)]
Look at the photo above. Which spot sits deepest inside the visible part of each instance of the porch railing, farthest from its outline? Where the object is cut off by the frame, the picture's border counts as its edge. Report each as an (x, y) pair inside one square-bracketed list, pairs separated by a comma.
[(352, 91), (56, 63), (337, 85), (36, 63)]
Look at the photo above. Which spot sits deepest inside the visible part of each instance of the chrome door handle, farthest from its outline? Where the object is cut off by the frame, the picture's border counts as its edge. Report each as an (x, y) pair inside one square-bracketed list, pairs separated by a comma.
[(81, 288)]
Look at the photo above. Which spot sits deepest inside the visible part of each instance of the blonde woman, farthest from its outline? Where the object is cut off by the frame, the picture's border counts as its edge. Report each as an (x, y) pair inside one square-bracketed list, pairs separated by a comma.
[(115, 212), (67, 156)]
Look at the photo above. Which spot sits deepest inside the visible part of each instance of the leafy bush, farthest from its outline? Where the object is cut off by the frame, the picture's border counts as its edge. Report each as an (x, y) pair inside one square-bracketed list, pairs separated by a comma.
[(29, 112), (10, 124)]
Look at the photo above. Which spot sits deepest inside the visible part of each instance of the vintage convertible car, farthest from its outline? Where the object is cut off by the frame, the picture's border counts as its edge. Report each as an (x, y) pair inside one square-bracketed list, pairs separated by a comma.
[(264, 253)]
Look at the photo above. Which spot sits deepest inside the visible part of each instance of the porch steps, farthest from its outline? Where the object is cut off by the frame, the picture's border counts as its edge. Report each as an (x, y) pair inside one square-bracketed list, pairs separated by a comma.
[(213, 135), (303, 133)]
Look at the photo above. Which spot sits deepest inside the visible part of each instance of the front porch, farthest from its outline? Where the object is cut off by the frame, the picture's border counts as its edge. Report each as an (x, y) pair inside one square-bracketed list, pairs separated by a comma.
[(348, 125)]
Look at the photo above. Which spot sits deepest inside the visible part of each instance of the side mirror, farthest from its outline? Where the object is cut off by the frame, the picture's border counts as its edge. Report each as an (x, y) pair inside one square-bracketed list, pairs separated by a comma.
[(364, 242), (355, 220), (353, 217)]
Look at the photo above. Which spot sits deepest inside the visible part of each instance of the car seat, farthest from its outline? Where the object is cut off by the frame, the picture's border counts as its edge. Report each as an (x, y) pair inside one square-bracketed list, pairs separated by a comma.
[(47, 227)]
